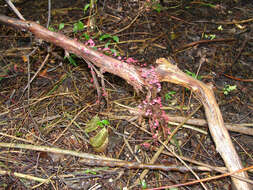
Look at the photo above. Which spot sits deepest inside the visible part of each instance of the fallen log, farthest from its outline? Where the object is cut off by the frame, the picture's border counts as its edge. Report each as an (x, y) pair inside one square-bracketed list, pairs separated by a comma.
[(165, 71)]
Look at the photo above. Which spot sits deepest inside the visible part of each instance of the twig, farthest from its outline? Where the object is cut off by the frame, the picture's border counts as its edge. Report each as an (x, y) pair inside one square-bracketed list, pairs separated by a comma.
[(244, 128), (126, 27), (37, 72), (49, 13), (25, 176), (239, 79), (94, 77), (130, 148), (204, 42), (227, 23), (96, 160), (12, 6), (203, 180)]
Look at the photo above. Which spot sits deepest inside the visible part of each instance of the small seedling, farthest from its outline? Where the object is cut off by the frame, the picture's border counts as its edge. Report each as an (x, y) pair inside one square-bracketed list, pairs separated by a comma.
[(228, 88), (79, 26), (99, 141), (143, 184), (210, 36), (220, 28), (88, 171), (103, 123), (86, 7), (51, 28), (61, 26), (193, 75), (71, 59), (86, 36), (157, 6), (168, 95), (108, 36)]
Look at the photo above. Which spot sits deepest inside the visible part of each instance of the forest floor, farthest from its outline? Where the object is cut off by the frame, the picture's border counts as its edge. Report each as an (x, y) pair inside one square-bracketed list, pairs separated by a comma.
[(209, 40)]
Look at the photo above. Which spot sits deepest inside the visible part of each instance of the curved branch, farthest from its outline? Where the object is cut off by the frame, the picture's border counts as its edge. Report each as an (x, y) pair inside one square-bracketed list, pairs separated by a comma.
[(170, 73)]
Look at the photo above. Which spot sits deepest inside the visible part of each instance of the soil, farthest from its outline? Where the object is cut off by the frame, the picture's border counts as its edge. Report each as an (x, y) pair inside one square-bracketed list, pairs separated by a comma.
[(209, 40)]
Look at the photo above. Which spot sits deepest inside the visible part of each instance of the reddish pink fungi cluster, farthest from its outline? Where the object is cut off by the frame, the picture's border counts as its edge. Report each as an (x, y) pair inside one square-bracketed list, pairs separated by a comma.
[(130, 60), (151, 77), (149, 106), (90, 43), (104, 92), (153, 107), (146, 145)]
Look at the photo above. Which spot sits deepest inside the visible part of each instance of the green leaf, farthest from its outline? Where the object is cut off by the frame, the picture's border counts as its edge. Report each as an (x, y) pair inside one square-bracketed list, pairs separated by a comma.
[(107, 44), (220, 28), (86, 8), (190, 73), (173, 36), (78, 26), (19, 134), (51, 28), (157, 7), (228, 88), (114, 51), (61, 26), (210, 36), (193, 75), (143, 184), (103, 123), (71, 60), (168, 95), (105, 36), (88, 171), (116, 39), (86, 36)]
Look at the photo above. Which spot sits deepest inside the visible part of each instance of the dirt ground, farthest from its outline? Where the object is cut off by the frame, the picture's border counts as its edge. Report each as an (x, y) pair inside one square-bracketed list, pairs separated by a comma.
[(209, 40)]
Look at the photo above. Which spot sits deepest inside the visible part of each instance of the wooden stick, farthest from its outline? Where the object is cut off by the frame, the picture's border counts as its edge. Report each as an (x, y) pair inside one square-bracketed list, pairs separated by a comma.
[(171, 73)]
